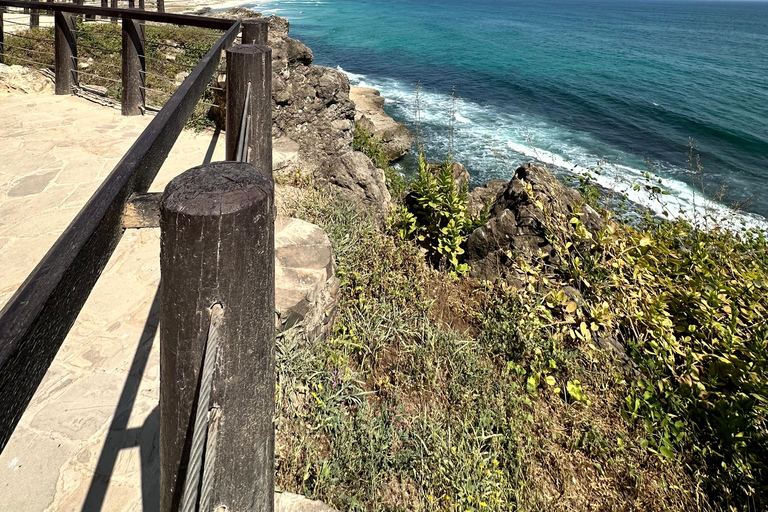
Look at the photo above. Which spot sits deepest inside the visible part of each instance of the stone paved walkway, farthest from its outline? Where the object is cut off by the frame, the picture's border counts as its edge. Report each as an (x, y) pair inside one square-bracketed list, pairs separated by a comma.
[(89, 438)]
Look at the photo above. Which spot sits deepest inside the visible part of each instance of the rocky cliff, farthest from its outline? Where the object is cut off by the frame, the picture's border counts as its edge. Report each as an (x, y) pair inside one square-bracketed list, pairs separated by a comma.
[(314, 121)]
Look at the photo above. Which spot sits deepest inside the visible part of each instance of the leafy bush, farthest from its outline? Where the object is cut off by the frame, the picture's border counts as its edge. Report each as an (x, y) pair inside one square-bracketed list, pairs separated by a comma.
[(691, 306), (436, 215)]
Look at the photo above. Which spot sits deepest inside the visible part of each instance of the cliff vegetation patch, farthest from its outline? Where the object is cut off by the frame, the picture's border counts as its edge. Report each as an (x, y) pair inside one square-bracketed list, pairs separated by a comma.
[(608, 367)]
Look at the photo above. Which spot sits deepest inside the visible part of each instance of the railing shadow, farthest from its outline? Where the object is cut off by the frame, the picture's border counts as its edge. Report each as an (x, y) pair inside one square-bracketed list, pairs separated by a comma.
[(120, 437)]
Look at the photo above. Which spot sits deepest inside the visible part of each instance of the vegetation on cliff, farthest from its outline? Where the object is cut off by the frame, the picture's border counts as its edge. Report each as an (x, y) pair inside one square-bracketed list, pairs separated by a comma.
[(439, 393)]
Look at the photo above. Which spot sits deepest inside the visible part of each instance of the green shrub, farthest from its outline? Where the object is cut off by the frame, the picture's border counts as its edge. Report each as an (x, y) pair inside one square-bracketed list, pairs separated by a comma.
[(436, 215), (693, 307)]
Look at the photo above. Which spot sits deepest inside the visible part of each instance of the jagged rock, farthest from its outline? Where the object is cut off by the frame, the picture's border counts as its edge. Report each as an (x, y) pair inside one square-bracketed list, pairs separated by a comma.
[(313, 119), (306, 286), (311, 104), (289, 502), (479, 196), (396, 139), (357, 180), (517, 224)]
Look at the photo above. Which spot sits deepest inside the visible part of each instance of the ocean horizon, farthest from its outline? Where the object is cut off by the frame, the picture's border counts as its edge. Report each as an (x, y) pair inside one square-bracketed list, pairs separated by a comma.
[(614, 88)]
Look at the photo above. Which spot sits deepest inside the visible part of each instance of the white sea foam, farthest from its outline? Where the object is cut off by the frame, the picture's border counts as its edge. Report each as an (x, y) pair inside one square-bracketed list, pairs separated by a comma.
[(492, 143)]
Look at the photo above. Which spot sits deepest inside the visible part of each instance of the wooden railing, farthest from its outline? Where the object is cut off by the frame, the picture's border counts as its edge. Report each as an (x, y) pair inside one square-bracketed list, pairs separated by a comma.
[(217, 267)]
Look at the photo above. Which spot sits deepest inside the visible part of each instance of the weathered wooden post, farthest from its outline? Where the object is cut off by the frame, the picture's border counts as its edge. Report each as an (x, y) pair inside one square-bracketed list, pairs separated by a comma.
[(160, 6), (217, 248), (66, 51), (113, 5), (250, 64), (133, 68), (34, 18), (255, 31), (2, 37)]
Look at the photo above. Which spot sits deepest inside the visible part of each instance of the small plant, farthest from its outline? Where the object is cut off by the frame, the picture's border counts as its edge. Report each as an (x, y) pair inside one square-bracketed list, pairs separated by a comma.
[(436, 215)]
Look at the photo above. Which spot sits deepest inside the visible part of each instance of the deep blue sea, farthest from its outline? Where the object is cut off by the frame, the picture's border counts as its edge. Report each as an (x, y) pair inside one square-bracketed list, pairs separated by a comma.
[(620, 86)]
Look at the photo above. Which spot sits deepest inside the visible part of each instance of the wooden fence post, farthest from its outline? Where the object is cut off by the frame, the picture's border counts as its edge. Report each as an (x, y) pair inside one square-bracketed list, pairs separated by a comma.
[(34, 18), (113, 5), (133, 68), (217, 247), (66, 51), (255, 31), (2, 37), (250, 63), (160, 6)]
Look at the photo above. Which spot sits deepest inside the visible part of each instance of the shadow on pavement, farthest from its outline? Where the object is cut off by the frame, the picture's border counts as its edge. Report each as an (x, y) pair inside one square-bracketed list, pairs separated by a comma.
[(121, 437)]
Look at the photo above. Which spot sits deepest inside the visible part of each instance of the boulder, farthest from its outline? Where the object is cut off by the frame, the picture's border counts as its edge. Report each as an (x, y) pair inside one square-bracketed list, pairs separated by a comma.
[(370, 115), (486, 194), (306, 286), (356, 179), (517, 226), (289, 502)]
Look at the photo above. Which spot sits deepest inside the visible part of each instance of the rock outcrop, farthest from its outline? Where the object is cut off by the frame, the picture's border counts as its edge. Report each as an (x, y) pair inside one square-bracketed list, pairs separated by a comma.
[(306, 286), (20, 79), (313, 120), (517, 226), (395, 138), (486, 194), (356, 179)]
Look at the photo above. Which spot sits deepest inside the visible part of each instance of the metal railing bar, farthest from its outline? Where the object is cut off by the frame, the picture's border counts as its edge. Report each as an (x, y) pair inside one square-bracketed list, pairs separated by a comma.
[(49, 41), (6, 46), (43, 65), (79, 72)]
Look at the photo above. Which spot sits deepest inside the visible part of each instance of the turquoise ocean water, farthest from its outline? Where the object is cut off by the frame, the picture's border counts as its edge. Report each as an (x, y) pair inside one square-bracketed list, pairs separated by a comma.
[(576, 84)]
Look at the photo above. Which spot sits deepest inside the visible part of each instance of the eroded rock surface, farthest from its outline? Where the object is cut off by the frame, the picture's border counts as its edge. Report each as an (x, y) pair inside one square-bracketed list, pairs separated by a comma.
[(314, 120), (517, 226), (479, 196), (289, 502), (356, 179), (370, 115), (306, 286), (23, 80)]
